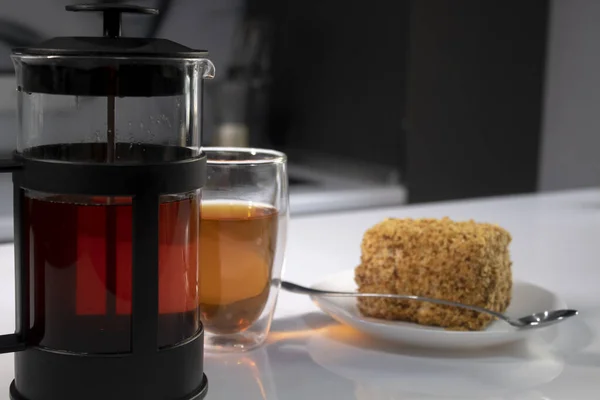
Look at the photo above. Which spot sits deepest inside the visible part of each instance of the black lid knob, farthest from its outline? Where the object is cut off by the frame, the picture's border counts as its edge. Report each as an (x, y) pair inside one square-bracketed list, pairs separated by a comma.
[(112, 14)]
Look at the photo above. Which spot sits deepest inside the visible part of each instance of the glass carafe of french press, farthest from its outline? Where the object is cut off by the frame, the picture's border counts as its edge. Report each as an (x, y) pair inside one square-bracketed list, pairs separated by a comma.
[(107, 182)]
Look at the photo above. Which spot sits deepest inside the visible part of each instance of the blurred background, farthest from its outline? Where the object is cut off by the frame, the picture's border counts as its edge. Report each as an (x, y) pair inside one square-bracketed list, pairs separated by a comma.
[(380, 102)]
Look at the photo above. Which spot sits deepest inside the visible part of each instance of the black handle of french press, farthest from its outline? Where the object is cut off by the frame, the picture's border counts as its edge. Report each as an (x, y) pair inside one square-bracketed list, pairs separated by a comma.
[(12, 342), (112, 14), (9, 164)]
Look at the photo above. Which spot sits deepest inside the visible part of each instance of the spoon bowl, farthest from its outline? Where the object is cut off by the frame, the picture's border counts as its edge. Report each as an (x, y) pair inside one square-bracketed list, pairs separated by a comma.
[(546, 318)]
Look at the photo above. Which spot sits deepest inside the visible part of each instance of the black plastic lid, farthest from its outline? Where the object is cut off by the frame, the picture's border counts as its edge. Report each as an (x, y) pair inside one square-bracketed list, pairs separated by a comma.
[(106, 78), (111, 47)]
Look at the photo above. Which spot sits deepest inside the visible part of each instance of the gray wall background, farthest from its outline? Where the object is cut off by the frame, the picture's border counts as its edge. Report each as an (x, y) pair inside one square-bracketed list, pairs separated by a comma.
[(570, 155)]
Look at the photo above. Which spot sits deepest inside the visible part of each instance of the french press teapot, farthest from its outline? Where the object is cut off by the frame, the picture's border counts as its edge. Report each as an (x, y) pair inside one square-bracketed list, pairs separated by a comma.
[(107, 177)]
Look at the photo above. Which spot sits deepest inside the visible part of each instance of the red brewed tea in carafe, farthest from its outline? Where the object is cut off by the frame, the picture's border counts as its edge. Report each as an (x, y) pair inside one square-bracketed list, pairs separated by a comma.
[(82, 249)]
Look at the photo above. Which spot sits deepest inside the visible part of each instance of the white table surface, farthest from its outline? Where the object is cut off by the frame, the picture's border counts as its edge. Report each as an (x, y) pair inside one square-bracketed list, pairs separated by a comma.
[(556, 244)]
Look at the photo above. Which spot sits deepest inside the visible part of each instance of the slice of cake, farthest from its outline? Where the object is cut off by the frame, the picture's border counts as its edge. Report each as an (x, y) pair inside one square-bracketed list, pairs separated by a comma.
[(466, 262)]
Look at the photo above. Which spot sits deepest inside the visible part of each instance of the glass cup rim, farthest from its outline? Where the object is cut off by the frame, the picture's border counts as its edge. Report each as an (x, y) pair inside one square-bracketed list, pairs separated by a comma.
[(253, 156)]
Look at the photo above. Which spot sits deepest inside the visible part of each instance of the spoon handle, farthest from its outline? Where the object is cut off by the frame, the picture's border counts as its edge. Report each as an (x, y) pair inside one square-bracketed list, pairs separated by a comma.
[(293, 288)]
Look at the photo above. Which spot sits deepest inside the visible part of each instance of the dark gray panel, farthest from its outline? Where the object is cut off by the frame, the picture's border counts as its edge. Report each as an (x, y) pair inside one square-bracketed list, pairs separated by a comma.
[(475, 97)]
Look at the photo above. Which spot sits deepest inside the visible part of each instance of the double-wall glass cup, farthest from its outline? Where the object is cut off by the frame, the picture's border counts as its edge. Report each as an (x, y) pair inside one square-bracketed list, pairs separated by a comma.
[(244, 216)]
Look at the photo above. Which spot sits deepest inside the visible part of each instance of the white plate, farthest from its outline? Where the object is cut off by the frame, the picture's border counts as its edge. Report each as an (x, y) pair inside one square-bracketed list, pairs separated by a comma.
[(526, 299)]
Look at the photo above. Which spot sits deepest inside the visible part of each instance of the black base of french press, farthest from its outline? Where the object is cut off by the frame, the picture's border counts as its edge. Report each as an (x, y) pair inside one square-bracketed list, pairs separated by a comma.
[(175, 373), (198, 395)]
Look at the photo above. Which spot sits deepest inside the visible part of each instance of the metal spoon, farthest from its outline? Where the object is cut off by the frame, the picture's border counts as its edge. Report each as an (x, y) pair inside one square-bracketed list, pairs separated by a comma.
[(537, 320)]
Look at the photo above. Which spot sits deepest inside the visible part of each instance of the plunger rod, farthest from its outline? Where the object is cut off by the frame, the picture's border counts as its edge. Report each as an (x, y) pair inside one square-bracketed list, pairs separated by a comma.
[(111, 215)]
